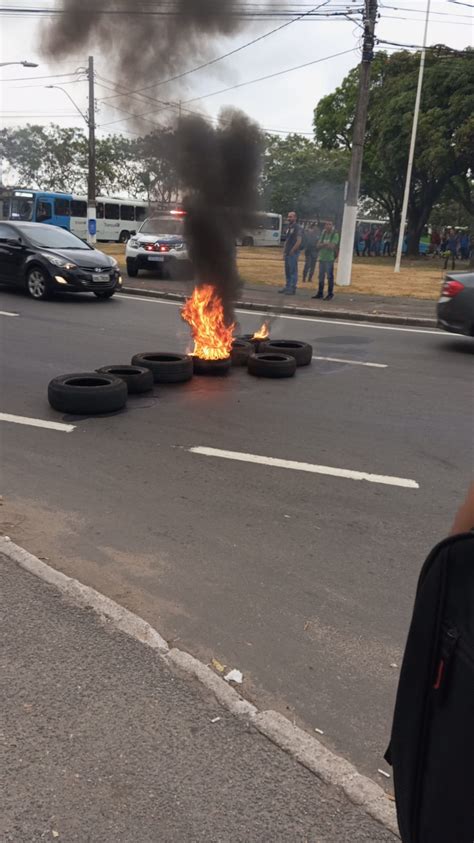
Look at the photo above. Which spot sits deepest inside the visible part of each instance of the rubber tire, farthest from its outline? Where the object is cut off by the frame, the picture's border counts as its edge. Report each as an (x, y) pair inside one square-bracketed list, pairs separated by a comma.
[(211, 367), (137, 378), (167, 367), (301, 351), (132, 268), (108, 396), (241, 350), (247, 241), (44, 273), (107, 294), (124, 236), (255, 343), (271, 365)]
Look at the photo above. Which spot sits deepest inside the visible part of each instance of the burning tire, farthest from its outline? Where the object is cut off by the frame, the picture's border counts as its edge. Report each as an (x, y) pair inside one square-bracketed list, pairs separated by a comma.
[(137, 378), (211, 367), (254, 341), (87, 393), (241, 351), (166, 367), (301, 351), (271, 365)]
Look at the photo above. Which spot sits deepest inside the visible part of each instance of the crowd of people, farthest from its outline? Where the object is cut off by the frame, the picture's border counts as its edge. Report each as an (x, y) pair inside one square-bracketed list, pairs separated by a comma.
[(316, 245), (372, 240), (376, 241), (451, 244)]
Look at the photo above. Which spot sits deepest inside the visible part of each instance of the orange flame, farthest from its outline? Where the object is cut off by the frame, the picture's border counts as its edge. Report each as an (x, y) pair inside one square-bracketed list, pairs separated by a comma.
[(262, 333), (205, 314)]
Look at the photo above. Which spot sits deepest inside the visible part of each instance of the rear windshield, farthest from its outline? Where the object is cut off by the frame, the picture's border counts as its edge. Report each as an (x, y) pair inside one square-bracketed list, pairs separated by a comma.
[(51, 237), (162, 225)]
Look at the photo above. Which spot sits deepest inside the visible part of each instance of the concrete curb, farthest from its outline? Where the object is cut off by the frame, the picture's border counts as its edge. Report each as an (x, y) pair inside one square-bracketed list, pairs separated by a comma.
[(353, 316), (302, 746)]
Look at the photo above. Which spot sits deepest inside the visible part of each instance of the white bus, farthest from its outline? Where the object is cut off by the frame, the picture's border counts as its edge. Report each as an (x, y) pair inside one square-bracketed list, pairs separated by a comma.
[(117, 219), (266, 233)]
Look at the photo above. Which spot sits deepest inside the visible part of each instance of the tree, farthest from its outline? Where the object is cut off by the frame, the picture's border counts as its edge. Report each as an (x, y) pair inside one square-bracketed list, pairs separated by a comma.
[(46, 157), (444, 154), (299, 175)]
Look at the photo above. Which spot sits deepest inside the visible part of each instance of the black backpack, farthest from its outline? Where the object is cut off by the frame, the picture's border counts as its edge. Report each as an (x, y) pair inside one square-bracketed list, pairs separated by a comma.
[(432, 744)]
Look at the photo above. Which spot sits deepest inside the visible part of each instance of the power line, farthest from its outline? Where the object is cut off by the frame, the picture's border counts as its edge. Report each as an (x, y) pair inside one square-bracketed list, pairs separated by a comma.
[(37, 78)]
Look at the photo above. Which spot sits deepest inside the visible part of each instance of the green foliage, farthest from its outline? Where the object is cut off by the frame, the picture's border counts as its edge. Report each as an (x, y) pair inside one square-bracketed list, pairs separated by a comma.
[(298, 175), (444, 153)]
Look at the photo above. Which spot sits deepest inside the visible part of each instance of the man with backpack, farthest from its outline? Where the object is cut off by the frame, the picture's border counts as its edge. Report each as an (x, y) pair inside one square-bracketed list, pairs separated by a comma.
[(328, 246)]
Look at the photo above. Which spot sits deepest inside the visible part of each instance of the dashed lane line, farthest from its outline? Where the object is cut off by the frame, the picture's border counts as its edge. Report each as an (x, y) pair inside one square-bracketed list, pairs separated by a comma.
[(49, 425)]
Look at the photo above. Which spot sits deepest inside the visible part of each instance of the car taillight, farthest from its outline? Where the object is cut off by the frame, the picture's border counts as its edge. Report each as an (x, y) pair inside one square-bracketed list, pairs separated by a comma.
[(451, 288)]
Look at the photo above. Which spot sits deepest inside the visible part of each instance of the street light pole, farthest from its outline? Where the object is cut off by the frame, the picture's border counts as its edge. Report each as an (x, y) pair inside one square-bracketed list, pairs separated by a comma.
[(91, 182), (411, 154), (23, 63), (344, 265)]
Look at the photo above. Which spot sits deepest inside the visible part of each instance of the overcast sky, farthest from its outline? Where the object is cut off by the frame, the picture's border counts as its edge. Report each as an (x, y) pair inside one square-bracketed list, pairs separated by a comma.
[(284, 103)]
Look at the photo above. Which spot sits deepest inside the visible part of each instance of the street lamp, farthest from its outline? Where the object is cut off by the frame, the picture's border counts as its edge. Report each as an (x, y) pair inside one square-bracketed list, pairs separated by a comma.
[(23, 63), (58, 87)]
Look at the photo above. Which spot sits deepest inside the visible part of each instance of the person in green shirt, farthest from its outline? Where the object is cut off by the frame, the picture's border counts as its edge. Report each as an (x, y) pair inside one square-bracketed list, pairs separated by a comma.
[(328, 243)]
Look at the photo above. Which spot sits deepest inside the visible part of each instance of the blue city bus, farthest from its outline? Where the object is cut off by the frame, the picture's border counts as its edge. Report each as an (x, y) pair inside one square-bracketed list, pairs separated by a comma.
[(117, 219)]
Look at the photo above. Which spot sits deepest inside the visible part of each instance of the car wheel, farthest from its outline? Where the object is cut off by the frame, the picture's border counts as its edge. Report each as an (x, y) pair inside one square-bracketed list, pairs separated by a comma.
[(37, 283), (106, 294), (137, 378), (166, 367), (301, 351), (247, 241), (88, 393), (272, 365), (132, 268), (124, 237)]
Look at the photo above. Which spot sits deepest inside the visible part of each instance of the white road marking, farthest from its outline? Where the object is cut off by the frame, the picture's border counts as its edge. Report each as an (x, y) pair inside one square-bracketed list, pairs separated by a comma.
[(386, 480), (7, 313), (315, 318), (50, 425), (352, 362)]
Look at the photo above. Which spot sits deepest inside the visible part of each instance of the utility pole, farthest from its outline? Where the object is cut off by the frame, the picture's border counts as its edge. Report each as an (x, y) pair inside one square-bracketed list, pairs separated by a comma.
[(91, 189), (411, 154), (344, 266)]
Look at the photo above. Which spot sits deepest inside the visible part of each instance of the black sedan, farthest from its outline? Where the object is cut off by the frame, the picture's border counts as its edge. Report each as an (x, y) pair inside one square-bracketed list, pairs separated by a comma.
[(456, 304), (42, 259)]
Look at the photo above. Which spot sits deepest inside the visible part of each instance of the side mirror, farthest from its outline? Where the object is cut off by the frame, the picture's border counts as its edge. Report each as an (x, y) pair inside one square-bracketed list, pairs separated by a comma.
[(11, 241)]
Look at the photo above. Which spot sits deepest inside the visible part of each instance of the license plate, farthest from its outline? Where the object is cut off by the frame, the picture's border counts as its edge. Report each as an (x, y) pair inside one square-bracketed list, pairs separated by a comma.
[(156, 258), (100, 278)]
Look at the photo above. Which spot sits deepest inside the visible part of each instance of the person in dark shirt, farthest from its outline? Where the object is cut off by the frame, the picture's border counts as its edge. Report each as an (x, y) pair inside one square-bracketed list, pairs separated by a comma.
[(451, 248), (294, 239), (311, 237)]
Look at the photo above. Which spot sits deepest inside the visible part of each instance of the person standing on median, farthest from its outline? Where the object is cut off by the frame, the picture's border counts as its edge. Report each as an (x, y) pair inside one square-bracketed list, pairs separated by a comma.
[(311, 238), (328, 243), (294, 239)]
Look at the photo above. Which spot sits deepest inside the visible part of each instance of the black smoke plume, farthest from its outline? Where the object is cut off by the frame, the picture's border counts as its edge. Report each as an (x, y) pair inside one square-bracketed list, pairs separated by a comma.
[(218, 167)]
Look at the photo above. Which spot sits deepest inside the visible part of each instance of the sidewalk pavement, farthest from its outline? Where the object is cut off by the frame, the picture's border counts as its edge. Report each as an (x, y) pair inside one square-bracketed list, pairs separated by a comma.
[(104, 743), (399, 309)]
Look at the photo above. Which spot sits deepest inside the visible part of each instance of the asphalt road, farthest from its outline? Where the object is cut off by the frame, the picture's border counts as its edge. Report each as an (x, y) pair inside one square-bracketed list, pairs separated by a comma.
[(303, 581)]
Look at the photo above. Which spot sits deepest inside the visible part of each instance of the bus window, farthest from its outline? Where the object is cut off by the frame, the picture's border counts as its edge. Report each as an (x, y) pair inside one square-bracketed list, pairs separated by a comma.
[(43, 211), (112, 212), (127, 212), (79, 208), (140, 213), (271, 223), (22, 209), (100, 210), (62, 207)]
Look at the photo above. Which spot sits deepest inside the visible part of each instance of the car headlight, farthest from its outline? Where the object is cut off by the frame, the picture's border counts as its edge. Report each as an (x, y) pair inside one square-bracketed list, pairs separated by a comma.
[(134, 243), (179, 247), (61, 262)]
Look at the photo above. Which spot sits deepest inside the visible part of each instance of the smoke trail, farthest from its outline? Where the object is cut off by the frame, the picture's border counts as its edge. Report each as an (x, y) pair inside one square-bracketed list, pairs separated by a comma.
[(220, 167)]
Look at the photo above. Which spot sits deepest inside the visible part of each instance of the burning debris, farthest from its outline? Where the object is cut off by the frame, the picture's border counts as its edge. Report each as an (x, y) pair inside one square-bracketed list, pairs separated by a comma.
[(263, 332), (204, 312)]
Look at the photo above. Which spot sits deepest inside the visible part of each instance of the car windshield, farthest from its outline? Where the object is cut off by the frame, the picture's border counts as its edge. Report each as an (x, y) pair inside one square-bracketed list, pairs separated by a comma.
[(162, 225), (52, 237)]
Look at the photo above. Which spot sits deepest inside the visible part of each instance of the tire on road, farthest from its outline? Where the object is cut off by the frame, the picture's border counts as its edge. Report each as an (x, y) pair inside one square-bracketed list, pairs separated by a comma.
[(38, 283), (88, 393), (211, 367), (254, 341), (241, 350), (271, 365), (166, 367), (132, 268), (137, 378), (301, 351)]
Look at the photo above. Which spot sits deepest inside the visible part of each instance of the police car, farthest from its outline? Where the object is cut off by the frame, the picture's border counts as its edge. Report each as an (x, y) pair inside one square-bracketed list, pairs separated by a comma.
[(159, 245)]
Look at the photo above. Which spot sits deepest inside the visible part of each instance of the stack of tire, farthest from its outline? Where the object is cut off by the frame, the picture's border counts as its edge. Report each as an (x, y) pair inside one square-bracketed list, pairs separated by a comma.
[(271, 358)]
